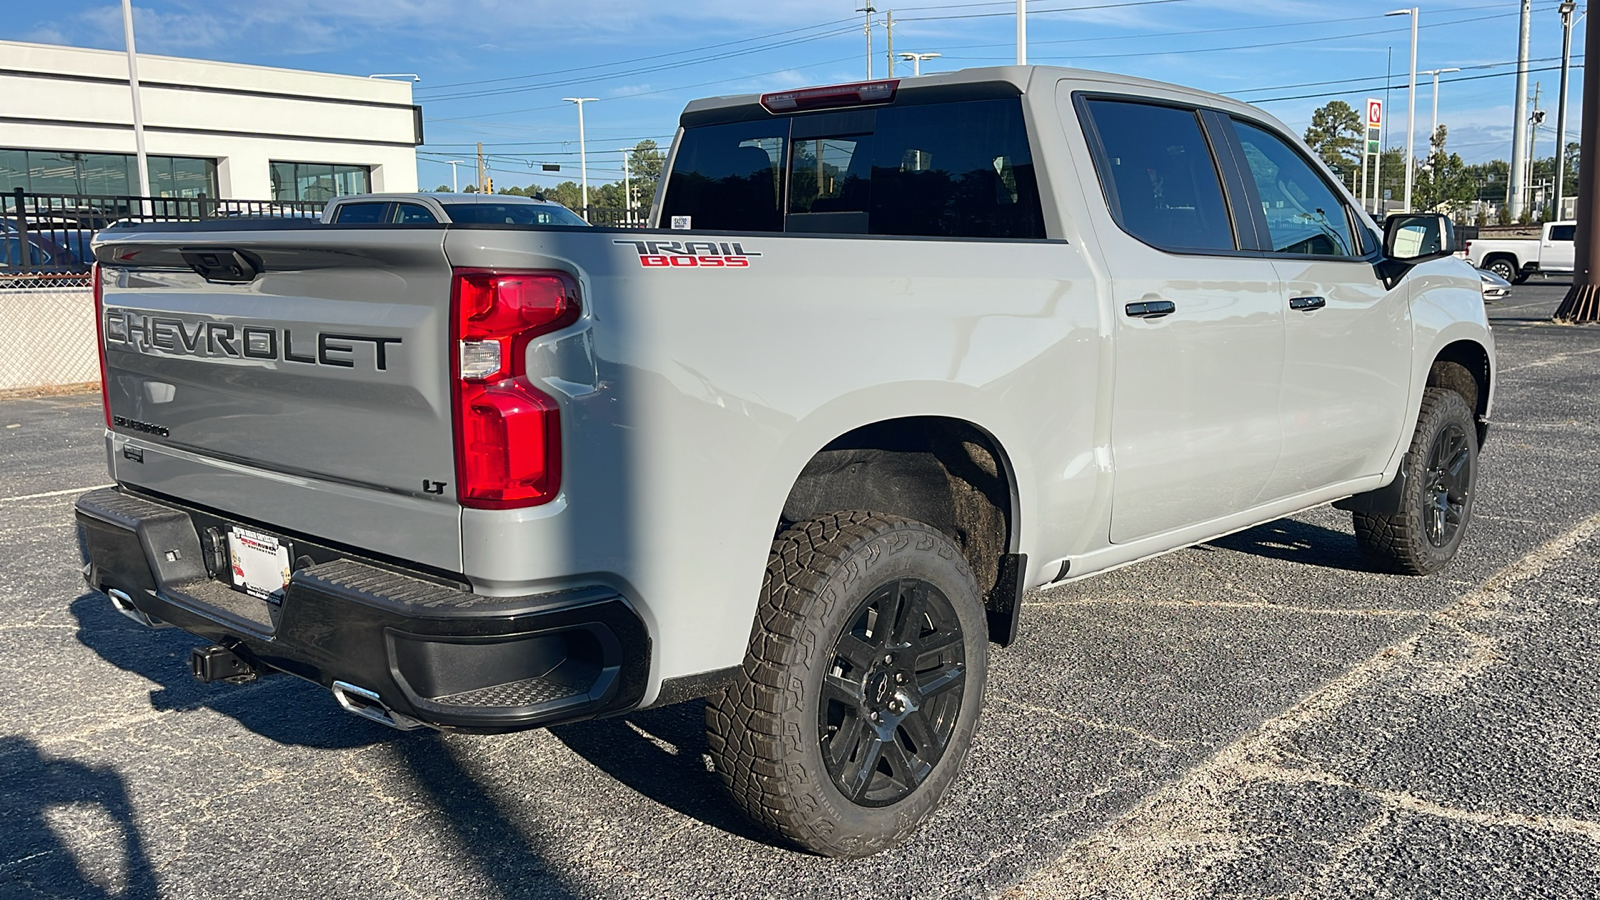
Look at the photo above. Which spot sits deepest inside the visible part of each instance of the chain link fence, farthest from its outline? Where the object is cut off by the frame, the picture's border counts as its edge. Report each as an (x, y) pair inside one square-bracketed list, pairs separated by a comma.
[(47, 333)]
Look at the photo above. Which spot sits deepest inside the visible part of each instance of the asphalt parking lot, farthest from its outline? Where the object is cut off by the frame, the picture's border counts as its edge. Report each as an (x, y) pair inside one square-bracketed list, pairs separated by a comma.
[(1256, 717)]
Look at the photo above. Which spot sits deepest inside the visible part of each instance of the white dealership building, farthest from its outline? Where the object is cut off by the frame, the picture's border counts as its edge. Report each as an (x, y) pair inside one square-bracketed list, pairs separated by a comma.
[(224, 130)]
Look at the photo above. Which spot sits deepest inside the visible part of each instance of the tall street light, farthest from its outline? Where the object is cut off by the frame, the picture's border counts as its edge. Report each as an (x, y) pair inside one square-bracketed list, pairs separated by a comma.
[(583, 153), (1515, 190), (869, 9), (1567, 8), (455, 186), (1411, 104), (917, 60), (1022, 32), (138, 111), (1436, 73)]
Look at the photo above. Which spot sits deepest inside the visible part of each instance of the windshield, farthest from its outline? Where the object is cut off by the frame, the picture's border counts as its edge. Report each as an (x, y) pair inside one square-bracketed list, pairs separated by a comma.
[(512, 214)]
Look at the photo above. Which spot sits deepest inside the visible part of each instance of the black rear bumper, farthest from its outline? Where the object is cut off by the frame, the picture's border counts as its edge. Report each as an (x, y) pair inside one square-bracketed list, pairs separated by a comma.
[(387, 643)]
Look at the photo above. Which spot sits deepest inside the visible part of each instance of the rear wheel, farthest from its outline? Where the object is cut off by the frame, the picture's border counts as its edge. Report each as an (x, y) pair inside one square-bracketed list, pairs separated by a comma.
[(1505, 268), (1443, 464), (861, 688)]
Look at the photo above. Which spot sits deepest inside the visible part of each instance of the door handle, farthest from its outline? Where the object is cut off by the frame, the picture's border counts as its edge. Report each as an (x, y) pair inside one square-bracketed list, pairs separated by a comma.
[(1150, 309), (1307, 303)]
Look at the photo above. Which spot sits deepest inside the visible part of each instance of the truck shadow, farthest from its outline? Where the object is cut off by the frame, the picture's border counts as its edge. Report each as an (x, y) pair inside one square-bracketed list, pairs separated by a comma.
[(661, 753), (101, 861), (1298, 542), (162, 656)]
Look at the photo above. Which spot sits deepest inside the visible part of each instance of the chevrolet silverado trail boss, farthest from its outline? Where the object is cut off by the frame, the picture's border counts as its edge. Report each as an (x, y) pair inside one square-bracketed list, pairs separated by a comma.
[(895, 352)]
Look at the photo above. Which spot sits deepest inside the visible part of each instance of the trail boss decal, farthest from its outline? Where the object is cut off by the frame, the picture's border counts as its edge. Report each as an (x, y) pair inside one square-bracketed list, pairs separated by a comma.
[(691, 254)]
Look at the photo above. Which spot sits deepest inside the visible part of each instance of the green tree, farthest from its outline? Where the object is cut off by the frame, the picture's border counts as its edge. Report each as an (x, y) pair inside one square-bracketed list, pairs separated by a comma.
[(442, 189), (1336, 135), (1442, 182)]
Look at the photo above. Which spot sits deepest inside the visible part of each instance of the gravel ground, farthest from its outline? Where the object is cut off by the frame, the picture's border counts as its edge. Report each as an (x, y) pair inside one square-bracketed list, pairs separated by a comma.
[(1256, 717)]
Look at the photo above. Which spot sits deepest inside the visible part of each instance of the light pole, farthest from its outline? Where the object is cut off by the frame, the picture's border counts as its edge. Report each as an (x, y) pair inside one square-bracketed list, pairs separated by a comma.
[(455, 186), (1411, 104), (869, 9), (916, 61), (1022, 32), (1519, 117), (627, 186), (1582, 303), (138, 111), (1568, 7), (1436, 73), (583, 153)]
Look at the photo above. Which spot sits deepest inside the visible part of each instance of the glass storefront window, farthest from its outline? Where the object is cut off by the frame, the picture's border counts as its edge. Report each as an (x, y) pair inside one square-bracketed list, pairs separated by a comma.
[(318, 181), (70, 172)]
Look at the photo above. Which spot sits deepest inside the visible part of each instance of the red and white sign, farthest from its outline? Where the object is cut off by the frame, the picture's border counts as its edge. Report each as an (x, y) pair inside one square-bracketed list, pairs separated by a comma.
[(1374, 113)]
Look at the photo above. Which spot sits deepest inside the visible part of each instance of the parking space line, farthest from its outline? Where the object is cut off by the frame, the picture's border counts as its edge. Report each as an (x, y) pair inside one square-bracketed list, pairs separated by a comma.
[(76, 490)]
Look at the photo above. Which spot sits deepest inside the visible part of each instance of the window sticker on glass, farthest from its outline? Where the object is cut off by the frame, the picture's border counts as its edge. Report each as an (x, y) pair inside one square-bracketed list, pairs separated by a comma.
[(682, 223)]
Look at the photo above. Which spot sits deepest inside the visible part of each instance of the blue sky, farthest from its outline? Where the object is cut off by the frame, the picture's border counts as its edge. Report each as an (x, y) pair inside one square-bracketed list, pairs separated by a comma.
[(496, 70)]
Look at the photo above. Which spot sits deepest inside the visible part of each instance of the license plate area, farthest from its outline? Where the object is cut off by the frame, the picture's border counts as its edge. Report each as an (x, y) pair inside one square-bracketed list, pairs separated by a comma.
[(260, 563)]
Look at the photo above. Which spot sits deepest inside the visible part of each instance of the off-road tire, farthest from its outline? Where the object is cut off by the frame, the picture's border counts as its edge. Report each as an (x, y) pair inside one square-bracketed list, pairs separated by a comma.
[(766, 740), (1402, 542)]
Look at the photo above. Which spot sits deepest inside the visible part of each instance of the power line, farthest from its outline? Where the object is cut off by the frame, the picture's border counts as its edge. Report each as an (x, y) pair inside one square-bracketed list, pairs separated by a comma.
[(1036, 12), (1575, 65)]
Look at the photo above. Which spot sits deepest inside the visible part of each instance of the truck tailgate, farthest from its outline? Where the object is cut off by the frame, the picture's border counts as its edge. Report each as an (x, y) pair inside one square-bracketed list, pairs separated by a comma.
[(315, 396)]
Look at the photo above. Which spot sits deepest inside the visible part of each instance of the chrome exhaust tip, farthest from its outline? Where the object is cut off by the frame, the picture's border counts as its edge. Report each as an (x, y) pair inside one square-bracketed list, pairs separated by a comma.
[(368, 705), (122, 603)]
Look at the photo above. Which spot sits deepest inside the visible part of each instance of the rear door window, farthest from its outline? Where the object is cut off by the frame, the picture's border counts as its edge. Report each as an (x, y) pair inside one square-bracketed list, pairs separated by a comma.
[(1158, 175), (412, 214), (1563, 232)]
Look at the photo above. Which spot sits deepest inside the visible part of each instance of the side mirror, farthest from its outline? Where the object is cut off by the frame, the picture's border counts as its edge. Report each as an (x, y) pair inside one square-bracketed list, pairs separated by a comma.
[(1415, 237)]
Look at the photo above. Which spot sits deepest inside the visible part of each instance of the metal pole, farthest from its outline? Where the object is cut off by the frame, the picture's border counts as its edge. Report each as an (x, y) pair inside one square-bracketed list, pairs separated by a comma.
[(1022, 33), (1567, 8), (583, 152), (1534, 118), (455, 186), (1519, 117), (1582, 303), (1411, 113), (138, 111), (627, 189)]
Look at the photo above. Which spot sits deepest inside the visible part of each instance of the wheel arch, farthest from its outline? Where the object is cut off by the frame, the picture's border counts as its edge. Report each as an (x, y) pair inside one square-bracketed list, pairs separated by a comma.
[(945, 471), (1466, 367)]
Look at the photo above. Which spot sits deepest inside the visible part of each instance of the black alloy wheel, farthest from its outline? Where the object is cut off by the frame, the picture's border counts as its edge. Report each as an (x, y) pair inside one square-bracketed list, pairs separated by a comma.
[(1449, 485), (893, 692)]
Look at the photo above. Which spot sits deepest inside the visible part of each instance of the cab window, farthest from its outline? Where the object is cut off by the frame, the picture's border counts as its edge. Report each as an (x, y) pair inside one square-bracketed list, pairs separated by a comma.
[(1303, 214), (362, 214), (412, 214), (1159, 177), (1563, 232)]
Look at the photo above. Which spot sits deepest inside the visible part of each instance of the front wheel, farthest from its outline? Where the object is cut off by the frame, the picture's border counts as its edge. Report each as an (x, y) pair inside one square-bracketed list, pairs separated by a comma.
[(1442, 464), (861, 687)]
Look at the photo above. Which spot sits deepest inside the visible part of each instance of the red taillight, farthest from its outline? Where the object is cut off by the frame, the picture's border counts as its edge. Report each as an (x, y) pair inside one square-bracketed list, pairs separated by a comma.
[(100, 337), (507, 432), (861, 93)]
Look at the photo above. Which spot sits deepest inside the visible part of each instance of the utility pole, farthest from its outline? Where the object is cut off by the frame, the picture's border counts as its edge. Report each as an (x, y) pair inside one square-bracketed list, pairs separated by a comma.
[(583, 152), (138, 110), (455, 186), (1436, 73), (1411, 104), (869, 9), (482, 170), (1535, 119), (1568, 7), (1582, 303), (888, 30), (1519, 116), (1022, 32)]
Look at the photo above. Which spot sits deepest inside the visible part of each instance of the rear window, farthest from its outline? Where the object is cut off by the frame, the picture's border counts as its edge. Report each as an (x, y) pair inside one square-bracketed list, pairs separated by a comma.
[(959, 169), (1563, 232), (513, 214)]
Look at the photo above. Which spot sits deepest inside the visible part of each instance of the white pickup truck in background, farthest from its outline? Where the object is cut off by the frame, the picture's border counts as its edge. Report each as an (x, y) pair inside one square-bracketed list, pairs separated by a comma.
[(1514, 259)]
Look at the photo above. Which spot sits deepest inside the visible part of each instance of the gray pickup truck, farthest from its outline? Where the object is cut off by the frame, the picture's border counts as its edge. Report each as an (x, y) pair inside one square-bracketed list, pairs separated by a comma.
[(898, 352)]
